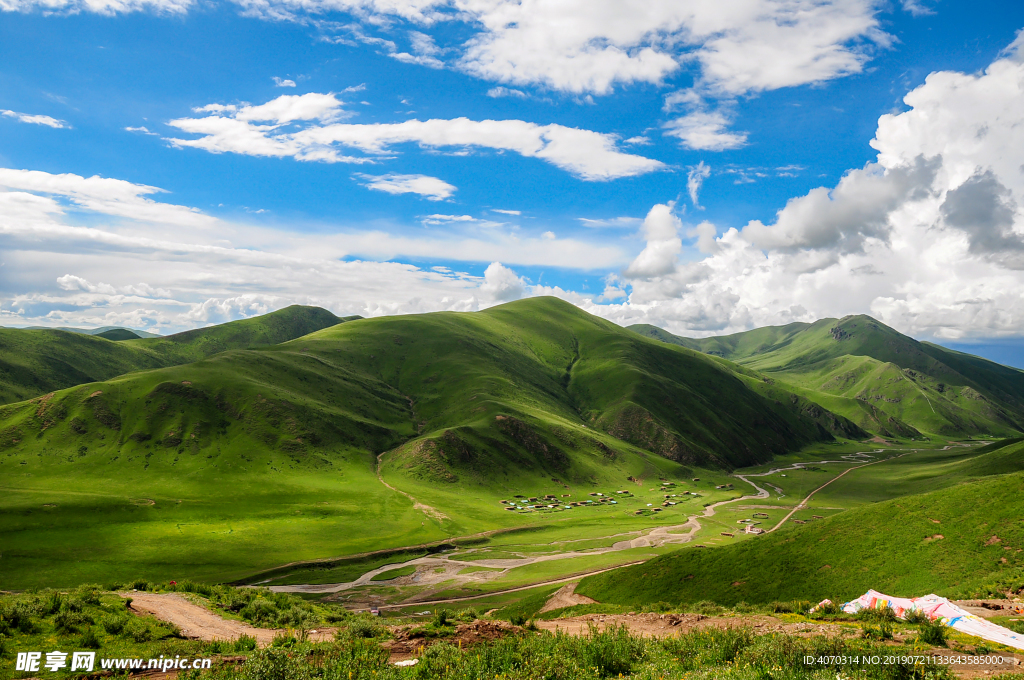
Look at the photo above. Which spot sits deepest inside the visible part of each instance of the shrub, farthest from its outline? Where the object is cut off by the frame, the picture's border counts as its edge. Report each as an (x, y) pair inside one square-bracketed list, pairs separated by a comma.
[(709, 646), (114, 624), (50, 603), (932, 633), (364, 627), (69, 620), (89, 639), (88, 594), (442, 617), (915, 617), (137, 631), (16, 616), (283, 640), (214, 647), (707, 608), (139, 584), (883, 631), (517, 619), (245, 643), (879, 614)]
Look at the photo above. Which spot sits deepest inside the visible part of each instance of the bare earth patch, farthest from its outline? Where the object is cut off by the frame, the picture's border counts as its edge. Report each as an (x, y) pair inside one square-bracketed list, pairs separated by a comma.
[(565, 597), (202, 624)]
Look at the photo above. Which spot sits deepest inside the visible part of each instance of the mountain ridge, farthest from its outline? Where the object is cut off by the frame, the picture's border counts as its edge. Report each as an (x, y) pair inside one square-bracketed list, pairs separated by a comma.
[(915, 387), (34, 362)]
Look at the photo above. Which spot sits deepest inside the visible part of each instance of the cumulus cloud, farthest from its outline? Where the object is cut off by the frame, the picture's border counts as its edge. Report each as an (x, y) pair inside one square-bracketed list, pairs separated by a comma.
[(660, 256), (260, 131), (858, 208), (283, 82), (501, 284), (430, 188), (34, 119), (929, 238)]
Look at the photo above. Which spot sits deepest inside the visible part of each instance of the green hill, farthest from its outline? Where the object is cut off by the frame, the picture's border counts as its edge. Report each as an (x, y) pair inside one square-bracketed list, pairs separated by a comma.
[(962, 540), (513, 397), (35, 362), (880, 379), (118, 334)]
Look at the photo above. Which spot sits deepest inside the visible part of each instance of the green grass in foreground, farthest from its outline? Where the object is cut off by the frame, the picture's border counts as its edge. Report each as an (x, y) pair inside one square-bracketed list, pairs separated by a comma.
[(91, 619), (964, 540), (394, 573)]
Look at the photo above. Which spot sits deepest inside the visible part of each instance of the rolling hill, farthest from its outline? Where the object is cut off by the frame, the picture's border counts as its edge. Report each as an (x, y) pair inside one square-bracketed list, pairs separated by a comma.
[(512, 397), (35, 362), (965, 539), (880, 379)]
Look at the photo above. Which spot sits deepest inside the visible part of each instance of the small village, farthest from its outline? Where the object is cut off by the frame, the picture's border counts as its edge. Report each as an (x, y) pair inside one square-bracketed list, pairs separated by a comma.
[(563, 502)]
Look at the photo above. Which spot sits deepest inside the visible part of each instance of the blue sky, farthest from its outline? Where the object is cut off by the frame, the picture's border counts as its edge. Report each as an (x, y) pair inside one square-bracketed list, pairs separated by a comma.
[(707, 167)]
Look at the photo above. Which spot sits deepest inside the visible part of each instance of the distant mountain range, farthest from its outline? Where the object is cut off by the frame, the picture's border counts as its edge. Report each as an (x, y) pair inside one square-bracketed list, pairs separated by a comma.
[(37, 361), (517, 385), (880, 379), (94, 331)]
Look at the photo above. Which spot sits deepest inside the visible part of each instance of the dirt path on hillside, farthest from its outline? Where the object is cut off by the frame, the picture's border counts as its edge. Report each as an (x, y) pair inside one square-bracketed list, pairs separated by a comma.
[(565, 597), (430, 512), (200, 623)]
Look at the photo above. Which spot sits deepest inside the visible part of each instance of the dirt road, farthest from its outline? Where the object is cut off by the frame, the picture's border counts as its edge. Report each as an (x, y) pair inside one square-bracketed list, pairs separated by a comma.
[(202, 624)]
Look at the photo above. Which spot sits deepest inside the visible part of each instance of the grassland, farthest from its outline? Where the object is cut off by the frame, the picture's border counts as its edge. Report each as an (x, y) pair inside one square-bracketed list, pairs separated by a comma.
[(963, 540), (394, 573), (254, 458)]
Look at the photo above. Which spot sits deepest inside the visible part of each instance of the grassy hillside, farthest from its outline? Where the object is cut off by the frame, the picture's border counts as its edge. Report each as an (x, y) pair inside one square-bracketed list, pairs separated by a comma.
[(962, 540), (270, 453), (35, 362), (880, 379)]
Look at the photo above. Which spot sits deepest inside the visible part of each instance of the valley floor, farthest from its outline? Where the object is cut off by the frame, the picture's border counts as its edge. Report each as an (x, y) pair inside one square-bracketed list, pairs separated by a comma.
[(790, 491)]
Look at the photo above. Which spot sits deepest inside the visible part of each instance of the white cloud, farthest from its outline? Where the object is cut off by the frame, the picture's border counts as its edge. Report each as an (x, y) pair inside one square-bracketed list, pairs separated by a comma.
[(419, 59), (283, 82), (705, 131), (507, 212), (584, 153), (34, 119), (142, 128), (431, 188), (105, 7), (168, 271), (500, 91), (612, 222), (590, 46), (550, 235), (929, 239), (501, 283), (659, 257), (639, 140), (694, 179), (102, 195), (438, 219)]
